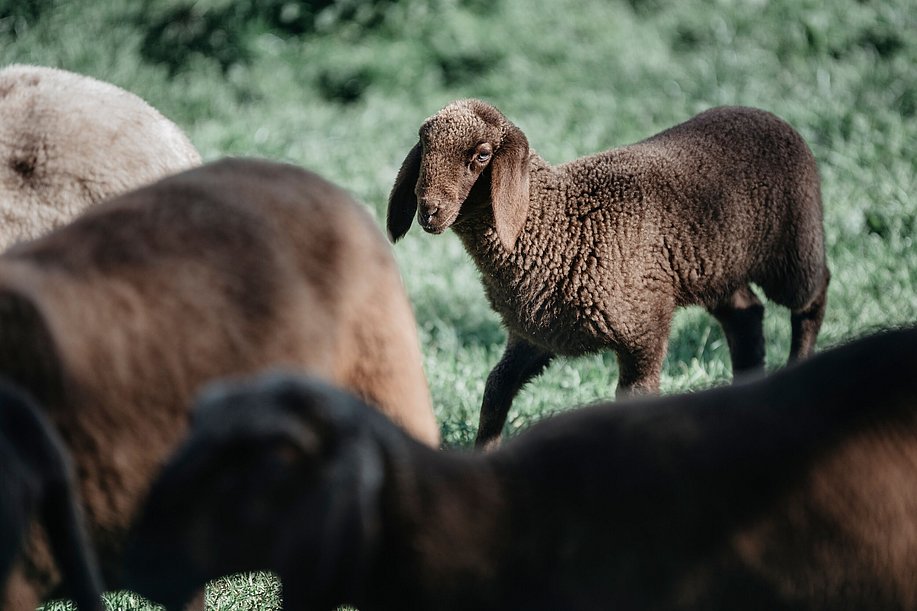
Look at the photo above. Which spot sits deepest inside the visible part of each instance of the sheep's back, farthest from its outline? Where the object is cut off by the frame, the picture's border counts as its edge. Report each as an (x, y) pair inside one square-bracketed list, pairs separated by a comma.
[(736, 191), (69, 141), (362, 316), (695, 212)]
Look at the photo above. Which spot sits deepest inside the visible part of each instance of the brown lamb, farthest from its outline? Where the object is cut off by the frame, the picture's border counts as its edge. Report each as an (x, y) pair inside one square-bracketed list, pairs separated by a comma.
[(598, 253), (114, 321), (37, 483), (795, 492), (68, 141)]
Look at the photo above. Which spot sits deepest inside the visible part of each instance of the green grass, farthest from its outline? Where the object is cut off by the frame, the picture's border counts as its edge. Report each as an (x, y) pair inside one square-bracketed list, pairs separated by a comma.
[(346, 96)]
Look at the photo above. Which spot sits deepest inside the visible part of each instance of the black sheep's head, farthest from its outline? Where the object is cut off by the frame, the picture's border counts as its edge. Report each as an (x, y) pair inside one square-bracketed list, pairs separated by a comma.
[(279, 474), (466, 142)]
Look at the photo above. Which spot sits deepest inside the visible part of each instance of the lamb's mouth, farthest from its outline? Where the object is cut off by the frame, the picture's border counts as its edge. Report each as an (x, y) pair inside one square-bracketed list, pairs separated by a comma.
[(434, 229), (435, 225)]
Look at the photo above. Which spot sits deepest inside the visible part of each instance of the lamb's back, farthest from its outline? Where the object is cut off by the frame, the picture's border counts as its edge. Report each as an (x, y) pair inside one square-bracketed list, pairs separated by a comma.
[(703, 207)]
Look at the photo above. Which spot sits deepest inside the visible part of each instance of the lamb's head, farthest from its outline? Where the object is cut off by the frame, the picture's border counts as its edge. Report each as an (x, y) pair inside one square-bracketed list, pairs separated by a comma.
[(281, 474), (467, 148)]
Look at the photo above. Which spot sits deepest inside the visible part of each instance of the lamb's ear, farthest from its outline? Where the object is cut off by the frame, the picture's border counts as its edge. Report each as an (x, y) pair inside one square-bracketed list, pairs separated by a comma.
[(402, 202), (509, 187)]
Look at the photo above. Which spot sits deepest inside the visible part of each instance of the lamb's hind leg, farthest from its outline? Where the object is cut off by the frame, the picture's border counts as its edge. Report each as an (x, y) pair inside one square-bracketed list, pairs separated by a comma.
[(742, 317), (805, 324), (521, 361)]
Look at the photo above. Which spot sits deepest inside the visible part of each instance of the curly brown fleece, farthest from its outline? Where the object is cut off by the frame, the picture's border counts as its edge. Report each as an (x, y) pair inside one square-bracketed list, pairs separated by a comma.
[(114, 321), (598, 253)]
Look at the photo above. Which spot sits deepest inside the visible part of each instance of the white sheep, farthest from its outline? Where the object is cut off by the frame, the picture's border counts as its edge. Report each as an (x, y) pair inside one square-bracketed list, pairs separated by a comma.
[(68, 141)]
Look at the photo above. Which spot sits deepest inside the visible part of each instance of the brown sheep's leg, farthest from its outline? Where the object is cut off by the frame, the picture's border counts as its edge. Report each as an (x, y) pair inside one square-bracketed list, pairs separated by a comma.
[(742, 319), (521, 361), (805, 324), (639, 366)]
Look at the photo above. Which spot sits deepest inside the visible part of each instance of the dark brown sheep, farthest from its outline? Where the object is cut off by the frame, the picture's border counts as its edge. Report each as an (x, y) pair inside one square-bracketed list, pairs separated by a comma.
[(598, 253), (115, 320), (792, 492), (37, 485)]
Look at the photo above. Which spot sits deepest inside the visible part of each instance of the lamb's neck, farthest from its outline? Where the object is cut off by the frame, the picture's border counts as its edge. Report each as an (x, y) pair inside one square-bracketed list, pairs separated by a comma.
[(545, 232), (443, 516), (525, 286)]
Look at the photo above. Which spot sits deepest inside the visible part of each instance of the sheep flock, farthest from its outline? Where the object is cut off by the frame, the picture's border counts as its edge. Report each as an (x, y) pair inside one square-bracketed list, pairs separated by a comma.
[(208, 369)]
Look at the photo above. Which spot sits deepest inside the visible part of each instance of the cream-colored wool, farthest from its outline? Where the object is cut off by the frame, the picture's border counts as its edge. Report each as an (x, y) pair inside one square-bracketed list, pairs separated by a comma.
[(68, 141)]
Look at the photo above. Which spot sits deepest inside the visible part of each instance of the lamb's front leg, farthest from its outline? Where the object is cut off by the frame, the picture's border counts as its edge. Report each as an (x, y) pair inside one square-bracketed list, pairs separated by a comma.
[(521, 361)]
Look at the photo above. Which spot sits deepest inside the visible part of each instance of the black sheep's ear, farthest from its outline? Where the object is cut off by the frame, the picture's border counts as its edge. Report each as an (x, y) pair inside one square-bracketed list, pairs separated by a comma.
[(14, 513), (402, 202), (63, 520), (509, 187), (60, 513), (337, 551)]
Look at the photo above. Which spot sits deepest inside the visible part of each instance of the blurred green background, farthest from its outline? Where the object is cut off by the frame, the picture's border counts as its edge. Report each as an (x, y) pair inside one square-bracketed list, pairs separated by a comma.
[(341, 86)]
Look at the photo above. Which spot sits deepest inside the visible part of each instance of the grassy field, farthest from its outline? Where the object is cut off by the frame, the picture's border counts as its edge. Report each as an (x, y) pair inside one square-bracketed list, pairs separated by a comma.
[(342, 89)]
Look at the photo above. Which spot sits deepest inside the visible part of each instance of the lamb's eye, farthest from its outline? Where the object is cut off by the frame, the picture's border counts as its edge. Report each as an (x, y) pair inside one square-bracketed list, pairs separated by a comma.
[(483, 152)]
